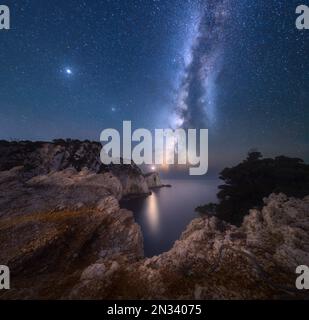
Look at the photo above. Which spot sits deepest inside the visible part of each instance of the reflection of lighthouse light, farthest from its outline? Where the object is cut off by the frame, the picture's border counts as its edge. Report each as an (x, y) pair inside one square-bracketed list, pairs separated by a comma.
[(153, 213)]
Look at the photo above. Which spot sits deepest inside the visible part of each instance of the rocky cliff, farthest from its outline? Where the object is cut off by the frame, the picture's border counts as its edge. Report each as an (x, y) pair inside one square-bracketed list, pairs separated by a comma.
[(153, 180), (215, 260), (53, 226), (64, 236), (40, 158)]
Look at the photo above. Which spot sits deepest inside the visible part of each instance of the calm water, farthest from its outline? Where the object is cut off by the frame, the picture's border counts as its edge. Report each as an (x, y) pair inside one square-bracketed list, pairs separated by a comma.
[(165, 215)]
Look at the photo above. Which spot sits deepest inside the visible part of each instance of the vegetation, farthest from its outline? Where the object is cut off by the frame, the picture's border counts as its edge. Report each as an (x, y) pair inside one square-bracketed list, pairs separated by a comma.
[(255, 178)]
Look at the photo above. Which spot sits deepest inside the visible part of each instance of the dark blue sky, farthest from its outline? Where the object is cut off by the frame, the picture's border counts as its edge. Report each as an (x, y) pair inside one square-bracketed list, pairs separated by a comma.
[(238, 67)]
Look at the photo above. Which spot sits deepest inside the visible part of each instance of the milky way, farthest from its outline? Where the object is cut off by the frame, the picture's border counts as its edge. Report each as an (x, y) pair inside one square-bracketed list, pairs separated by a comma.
[(195, 106), (239, 68)]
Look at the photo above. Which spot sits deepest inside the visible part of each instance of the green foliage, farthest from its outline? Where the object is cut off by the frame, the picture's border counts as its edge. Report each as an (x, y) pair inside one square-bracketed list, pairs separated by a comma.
[(255, 178), (209, 209)]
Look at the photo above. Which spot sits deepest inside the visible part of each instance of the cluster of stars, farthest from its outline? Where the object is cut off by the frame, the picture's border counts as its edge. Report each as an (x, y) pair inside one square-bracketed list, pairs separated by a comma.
[(93, 64)]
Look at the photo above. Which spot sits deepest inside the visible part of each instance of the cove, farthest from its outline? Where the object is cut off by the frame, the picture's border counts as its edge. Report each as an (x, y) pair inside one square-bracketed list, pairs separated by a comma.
[(165, 214)]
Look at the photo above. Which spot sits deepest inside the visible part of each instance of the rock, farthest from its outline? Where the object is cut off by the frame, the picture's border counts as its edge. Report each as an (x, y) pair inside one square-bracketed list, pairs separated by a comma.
[(79, 205), (113, 268), (53, 226), (64, 236), (198, 292), (43, 158), (216, 260), (108, 204), (220, 261), (56, 191), (153, 180), (94, 272)]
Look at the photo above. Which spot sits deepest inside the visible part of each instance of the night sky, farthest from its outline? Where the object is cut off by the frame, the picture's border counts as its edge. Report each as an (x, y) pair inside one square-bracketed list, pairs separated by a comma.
[(69, 69)]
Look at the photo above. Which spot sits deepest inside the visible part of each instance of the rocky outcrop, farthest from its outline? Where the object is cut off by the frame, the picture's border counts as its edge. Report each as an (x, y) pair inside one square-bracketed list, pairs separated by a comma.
[(60, 190), (41, 158), (64, 236), (153, 180), (54, 226), (215, 260)]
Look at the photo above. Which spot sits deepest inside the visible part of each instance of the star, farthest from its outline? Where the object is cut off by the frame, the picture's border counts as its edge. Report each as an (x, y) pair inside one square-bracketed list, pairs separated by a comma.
[(204, 67)]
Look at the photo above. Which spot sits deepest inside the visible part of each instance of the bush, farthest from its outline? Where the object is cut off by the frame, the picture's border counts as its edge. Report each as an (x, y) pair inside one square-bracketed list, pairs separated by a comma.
[(255, 178)]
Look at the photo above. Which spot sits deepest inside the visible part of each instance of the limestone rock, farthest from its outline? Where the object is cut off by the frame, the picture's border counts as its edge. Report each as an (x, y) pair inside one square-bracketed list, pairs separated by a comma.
[(63, 236), (94, 272), (153, 180), (42, 158), (53, 226), (216, 260)]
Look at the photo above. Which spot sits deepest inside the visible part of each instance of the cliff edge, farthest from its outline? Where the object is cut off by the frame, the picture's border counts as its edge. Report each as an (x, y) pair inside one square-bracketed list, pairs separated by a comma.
[(64, 236)]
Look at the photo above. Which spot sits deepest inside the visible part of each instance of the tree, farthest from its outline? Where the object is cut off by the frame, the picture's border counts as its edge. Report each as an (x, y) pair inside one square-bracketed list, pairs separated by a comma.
[(254, 155), (256, 178)]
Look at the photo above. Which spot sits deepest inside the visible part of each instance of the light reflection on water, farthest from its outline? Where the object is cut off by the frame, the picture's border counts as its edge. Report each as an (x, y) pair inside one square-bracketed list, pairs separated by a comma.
[(152, 213), (164, 215)]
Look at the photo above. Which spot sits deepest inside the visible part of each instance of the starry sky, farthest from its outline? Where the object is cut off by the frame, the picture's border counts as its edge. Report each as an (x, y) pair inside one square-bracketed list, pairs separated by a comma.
[(69, 69)]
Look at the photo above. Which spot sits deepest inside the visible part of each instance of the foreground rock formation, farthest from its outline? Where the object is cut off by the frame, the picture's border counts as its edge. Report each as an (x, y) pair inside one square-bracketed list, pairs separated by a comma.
[(214, 260), (64, 236), (53, 226)]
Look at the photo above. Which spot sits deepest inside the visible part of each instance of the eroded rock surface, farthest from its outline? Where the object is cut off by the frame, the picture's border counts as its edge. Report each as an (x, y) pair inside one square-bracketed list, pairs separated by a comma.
[(215, 260), (53, 226), (41, 158), (64, 236), (153, 180)]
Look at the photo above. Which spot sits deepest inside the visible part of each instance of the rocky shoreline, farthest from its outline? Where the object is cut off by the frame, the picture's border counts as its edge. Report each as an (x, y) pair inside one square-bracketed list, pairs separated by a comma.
[(64, 236)]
